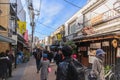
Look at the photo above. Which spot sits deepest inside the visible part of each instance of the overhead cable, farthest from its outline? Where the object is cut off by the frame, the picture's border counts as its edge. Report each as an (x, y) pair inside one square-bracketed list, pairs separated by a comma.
[(72, 4)]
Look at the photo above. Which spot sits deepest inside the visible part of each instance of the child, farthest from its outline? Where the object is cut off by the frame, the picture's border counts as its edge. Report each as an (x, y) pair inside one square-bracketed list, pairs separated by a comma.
[(45, 64)]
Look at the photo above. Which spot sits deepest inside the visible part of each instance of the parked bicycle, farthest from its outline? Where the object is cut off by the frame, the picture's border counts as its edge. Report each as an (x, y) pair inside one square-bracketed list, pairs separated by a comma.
[(114, 73)]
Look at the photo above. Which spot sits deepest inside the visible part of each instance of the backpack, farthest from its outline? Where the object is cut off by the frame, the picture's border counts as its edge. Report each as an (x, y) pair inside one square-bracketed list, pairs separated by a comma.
[(76, 71)]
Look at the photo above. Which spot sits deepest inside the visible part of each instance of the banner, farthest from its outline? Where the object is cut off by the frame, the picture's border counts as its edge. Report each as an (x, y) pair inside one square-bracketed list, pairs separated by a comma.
[(22, 26), (59, 36)]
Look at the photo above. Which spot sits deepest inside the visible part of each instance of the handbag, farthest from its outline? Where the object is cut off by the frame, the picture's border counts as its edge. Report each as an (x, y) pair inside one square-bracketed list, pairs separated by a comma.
[(49, 69)]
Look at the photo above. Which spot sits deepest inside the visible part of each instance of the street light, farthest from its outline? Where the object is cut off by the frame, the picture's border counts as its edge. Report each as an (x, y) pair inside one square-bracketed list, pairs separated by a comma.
[(116, 6)]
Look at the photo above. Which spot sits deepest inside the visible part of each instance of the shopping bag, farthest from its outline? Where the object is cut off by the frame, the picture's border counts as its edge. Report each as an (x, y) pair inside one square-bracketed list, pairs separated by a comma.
[(49, 69)]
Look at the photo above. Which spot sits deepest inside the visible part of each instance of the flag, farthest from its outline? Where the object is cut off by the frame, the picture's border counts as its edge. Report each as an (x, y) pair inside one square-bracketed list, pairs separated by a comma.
[(22, 26)]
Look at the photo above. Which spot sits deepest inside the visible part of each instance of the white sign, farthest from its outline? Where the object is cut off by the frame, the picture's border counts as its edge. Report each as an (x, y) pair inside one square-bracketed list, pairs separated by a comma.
[(14, 37)]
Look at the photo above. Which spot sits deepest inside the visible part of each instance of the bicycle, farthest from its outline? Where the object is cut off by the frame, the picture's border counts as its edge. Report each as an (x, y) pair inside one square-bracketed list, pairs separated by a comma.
[(114, 73)]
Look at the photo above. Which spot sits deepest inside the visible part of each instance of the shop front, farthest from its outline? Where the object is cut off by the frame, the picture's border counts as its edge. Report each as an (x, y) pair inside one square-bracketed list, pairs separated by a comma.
[(109, 42)]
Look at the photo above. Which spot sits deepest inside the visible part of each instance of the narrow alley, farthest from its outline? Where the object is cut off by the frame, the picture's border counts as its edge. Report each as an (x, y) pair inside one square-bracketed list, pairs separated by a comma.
[(27, 71)]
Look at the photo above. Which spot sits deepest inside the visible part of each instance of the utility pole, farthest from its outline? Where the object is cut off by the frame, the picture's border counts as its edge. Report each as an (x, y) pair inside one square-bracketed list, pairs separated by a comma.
[(16, 34), (32, 16)]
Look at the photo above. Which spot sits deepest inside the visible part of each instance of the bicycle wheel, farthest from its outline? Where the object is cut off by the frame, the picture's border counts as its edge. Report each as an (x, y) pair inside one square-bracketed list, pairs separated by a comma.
[(112, 77)]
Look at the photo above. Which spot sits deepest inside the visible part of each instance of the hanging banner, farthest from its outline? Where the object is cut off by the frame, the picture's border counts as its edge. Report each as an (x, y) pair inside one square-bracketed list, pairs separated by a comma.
[(59, 36), (22, 26)]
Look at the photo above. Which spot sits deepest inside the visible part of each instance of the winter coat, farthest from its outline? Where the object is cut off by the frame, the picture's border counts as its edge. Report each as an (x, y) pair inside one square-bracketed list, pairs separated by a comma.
[(44, 69), (65, 71), (98, 68)]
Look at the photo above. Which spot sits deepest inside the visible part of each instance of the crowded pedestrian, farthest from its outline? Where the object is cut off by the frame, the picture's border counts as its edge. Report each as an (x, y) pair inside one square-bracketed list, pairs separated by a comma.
[(67, 70), (98, 65), (4, 63), (44, 65), (59, 56), (37, 55), (11, 60)]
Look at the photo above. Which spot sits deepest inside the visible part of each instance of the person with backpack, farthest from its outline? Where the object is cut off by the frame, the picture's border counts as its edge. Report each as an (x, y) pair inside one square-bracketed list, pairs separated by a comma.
[(98, 66), (69, 68)]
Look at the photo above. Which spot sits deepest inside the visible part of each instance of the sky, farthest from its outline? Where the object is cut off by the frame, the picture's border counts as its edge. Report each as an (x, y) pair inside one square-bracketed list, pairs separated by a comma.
[(53, 13)]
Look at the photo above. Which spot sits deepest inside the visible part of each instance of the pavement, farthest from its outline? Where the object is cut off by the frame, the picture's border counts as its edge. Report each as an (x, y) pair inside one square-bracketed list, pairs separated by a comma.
[(27, 71)]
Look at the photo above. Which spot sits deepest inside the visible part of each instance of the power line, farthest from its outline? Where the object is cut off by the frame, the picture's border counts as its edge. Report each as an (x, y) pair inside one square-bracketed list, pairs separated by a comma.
[(50, 27), (72, 4), (39, 11), (41, 33)]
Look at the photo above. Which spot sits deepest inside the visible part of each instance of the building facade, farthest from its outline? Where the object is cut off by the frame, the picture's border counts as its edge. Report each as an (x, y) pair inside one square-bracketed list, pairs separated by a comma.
[(99, 29)]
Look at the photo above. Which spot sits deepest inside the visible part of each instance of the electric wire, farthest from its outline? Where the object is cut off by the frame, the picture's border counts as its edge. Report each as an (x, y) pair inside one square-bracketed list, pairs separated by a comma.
[(41, 33), (50, 27), (72, 4), (39, 11)]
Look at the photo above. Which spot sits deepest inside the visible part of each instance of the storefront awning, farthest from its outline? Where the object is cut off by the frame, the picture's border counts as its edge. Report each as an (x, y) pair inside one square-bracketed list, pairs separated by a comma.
[(6, 39), (2, 28), (82, 38)]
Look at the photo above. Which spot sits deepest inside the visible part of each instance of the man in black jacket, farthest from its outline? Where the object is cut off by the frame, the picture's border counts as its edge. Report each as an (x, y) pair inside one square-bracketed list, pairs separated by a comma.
[(69, 69)]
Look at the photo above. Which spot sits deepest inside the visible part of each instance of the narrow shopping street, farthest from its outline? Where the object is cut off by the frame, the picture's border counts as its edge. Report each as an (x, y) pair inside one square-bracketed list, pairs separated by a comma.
[(27, 71)]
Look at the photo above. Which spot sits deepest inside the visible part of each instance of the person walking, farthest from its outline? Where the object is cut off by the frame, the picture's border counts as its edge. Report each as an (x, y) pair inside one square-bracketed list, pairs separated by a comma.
[(98, 65), (11, 60), (44, 65), (38, 55), (66, 70)]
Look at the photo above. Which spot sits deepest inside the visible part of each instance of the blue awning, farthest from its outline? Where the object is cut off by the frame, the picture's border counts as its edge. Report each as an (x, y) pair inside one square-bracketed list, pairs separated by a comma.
[(6, 39)]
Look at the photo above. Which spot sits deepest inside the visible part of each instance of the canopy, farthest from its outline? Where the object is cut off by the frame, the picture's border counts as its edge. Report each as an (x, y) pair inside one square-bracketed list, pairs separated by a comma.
[(6, 39)]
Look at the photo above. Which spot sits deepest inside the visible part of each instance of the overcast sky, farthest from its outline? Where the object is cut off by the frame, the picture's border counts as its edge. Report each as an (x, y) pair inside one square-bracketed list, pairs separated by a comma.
[(53, 13)]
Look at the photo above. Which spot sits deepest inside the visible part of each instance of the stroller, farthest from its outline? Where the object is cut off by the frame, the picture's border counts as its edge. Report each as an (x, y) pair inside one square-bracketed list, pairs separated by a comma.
[(3, 69)]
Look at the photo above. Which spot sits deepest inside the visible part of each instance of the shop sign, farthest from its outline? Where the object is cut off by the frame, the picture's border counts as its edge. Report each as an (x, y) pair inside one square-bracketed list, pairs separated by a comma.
[(14, 37), (59, 36), (105, 43), (88, 30), (95, 45), (97, 19), (114, 43), (118, 52)]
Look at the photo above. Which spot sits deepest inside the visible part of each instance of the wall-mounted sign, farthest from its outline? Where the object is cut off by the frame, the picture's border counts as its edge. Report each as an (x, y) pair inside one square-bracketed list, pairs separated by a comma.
[(114, 43), (95, 45), (118, 52), (97, 19), (105, 43), (88, 30), (59, 36)]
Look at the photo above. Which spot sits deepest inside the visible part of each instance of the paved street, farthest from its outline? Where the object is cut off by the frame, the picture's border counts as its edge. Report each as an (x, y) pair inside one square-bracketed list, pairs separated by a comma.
[(27, 71)]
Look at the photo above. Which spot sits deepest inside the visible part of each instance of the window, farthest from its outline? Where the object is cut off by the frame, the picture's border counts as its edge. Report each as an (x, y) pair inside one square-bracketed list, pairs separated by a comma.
[(72, 28)]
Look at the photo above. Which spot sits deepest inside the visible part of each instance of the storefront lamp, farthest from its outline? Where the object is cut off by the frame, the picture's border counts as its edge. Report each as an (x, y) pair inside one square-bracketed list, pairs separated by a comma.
[(116, 6)]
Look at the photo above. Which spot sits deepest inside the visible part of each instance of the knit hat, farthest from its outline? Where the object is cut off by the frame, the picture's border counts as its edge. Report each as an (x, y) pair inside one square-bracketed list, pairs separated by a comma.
[(99, 51), (45, 55)]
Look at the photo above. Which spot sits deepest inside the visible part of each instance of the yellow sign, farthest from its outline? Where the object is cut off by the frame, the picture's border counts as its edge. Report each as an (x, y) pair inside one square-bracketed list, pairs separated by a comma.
[(114, 43), (59, 36), (22, 26)]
